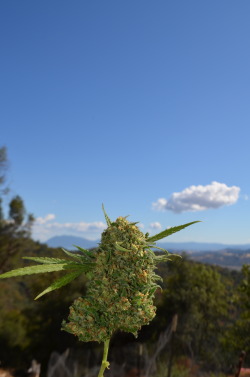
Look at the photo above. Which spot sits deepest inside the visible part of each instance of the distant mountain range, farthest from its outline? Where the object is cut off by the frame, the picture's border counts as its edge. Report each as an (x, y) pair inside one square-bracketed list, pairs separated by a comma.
[(230, 256), (202, 246), (68, 241)]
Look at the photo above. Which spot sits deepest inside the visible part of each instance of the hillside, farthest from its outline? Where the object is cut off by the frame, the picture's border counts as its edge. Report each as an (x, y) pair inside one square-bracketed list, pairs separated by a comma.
[(229, 258)]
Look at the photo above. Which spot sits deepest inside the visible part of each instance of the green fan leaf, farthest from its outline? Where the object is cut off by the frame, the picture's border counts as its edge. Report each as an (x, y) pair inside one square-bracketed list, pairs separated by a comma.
[(108, 221), (45, 260), (64, 280), (45, 268), (80, 258), (169, 231), (85, 252)]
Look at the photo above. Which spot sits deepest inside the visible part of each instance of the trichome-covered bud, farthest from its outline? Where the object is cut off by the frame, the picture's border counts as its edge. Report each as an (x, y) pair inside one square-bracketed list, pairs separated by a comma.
[(120, 295)]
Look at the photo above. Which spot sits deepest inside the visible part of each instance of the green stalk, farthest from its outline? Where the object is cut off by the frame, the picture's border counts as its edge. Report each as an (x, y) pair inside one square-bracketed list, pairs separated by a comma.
[(105, 363)]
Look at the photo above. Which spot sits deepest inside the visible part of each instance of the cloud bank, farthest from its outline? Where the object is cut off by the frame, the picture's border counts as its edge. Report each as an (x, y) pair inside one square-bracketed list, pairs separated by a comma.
[(45, 228), (199, 198), (44, 220)]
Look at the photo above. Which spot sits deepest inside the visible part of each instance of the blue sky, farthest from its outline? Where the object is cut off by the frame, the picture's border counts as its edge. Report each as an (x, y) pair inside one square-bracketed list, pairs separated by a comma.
[(128, 103)]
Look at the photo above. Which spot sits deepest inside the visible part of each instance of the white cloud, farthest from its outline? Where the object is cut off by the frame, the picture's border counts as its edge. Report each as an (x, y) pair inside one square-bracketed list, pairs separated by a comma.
[(44, 228), (199, 198), (79, 227), (155, 225), (160, 205), (44, 220)]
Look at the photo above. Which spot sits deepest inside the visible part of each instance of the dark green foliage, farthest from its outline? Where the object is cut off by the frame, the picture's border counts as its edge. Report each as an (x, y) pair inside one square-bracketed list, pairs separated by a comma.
[(201, 296), (17, 210), (31, 329), (238, 335), (3, 168), (1, 211), (14, 233)]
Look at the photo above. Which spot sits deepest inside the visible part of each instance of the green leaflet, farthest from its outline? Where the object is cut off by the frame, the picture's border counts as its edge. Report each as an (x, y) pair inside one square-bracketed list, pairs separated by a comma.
[(64, 280), (162, 258), (80, 258), (159, 248), (170, 231), (46, 260), (108, 221), (70, 254), (85, 252), (45, 268)]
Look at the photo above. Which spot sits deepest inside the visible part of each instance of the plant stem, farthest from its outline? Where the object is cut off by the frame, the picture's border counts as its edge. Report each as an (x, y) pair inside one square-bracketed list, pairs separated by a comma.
[(105, 363)]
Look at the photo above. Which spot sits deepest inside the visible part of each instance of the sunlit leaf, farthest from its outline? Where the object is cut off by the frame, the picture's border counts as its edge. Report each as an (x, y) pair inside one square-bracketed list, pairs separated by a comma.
[(45, 260), (169, 231), (42, 269)]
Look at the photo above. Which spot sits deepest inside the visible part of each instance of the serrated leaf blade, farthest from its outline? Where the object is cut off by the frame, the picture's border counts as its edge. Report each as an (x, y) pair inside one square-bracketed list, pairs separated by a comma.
[(46, 260), (43, 269), (62, 281), (85, 252), (169, 231), (73, 255)]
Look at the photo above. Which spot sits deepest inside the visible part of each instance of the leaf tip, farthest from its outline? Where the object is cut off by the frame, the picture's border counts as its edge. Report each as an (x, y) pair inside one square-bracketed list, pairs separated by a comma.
[(108, 221)]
